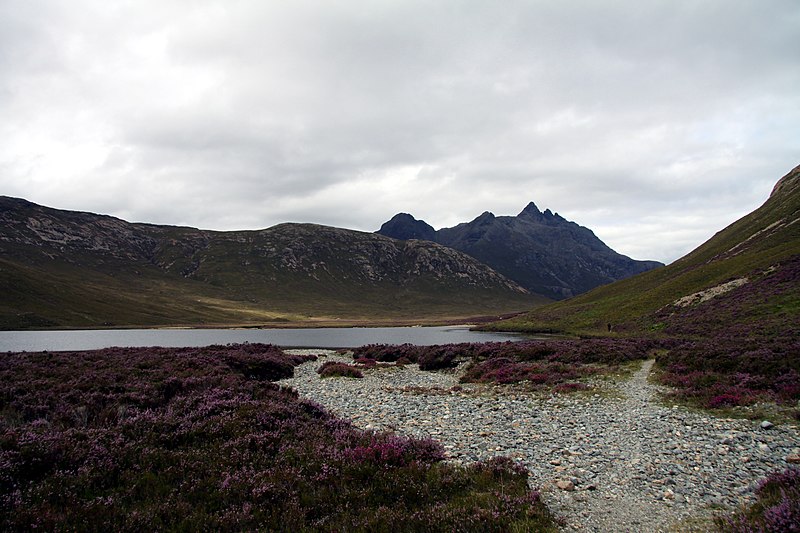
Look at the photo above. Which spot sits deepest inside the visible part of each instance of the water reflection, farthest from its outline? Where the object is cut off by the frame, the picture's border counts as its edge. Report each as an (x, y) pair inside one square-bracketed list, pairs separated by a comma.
[(287, 338)]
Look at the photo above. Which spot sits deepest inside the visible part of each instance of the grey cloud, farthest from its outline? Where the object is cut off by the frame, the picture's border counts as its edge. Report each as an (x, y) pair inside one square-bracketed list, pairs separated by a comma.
[(622, 115)]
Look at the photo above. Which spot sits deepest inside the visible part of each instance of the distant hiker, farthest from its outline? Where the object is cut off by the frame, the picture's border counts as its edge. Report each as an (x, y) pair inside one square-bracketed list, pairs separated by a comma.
[(609, 327)]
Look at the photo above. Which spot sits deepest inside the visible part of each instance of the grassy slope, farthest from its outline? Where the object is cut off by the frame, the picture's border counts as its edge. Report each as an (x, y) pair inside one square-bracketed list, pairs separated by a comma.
[(229, 285), (334, 288), (758, 241), (62, 295)]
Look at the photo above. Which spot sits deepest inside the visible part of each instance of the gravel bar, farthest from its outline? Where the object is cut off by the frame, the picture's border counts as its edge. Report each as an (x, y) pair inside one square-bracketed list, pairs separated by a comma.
[(604, 462)]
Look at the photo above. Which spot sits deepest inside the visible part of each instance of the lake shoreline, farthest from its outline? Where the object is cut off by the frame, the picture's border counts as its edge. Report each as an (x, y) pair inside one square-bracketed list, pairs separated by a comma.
[(323, 338), (310, 323)]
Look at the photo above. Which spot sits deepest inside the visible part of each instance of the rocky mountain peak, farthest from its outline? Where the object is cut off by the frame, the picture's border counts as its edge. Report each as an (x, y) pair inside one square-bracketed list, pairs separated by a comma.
[(541, 251), (403, 226), (484, 218), (530, 211)]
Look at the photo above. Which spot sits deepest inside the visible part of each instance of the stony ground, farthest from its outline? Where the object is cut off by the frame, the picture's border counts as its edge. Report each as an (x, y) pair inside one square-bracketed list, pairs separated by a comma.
[(616, 461)]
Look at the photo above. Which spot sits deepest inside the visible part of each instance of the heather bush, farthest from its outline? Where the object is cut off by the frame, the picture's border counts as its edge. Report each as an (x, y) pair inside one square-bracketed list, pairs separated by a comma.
[(387, 353), (439, 357), (765, 308), (366, 362), (335, 369), (730, 371), (777, 507), (198, 439), (505, 370), (539, 363), (428, 357), (269, 364)]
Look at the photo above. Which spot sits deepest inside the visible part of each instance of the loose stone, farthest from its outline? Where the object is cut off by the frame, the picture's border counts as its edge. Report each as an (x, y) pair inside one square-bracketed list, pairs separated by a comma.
[(565, 485), (622, 462)]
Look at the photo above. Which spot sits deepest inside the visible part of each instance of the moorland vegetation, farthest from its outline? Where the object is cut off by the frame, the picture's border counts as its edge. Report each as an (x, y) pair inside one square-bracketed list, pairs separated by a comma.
[(150, 439), (188, 438), (723, 324)]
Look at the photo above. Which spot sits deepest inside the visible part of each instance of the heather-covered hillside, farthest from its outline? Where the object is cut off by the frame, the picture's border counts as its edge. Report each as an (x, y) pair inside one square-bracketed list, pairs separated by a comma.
[(744, 280)]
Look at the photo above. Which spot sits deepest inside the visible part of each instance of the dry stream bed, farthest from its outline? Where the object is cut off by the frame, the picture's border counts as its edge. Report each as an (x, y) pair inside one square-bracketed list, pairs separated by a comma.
[(617, 460)]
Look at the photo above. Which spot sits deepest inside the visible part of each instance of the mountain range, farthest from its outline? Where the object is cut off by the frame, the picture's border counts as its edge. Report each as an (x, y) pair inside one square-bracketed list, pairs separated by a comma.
[(541, 251), (74, 269), (744, 281)]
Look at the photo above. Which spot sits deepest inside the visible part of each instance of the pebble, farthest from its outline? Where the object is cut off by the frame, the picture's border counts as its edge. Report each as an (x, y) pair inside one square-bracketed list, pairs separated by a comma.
[(617, 462), (565, 485)]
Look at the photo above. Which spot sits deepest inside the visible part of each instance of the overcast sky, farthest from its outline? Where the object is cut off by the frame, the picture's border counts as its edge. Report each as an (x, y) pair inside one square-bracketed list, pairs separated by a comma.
[(654, 123)]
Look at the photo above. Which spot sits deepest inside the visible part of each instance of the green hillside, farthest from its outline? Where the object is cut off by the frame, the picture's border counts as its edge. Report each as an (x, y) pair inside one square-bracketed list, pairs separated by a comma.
[(71, 269), (761, 249)]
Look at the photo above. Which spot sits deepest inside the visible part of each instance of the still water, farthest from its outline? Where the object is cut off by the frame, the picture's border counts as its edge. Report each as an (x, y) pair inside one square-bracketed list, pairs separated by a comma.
[(31, 341)]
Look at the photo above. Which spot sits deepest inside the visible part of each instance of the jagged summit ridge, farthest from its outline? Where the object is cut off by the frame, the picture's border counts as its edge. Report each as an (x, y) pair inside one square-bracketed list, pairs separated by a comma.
[(541, 251), (530, 209)]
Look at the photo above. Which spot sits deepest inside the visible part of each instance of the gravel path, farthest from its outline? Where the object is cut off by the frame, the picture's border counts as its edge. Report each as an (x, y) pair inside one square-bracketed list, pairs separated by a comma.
[(619, 461)]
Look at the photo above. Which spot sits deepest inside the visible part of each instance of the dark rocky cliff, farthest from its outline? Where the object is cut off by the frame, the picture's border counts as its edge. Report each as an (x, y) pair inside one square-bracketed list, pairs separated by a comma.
[(541, 251), (405, 227)]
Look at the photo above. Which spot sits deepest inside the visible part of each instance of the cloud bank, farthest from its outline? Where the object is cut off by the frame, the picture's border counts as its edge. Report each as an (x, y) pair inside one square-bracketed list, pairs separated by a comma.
[(655, 124)]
